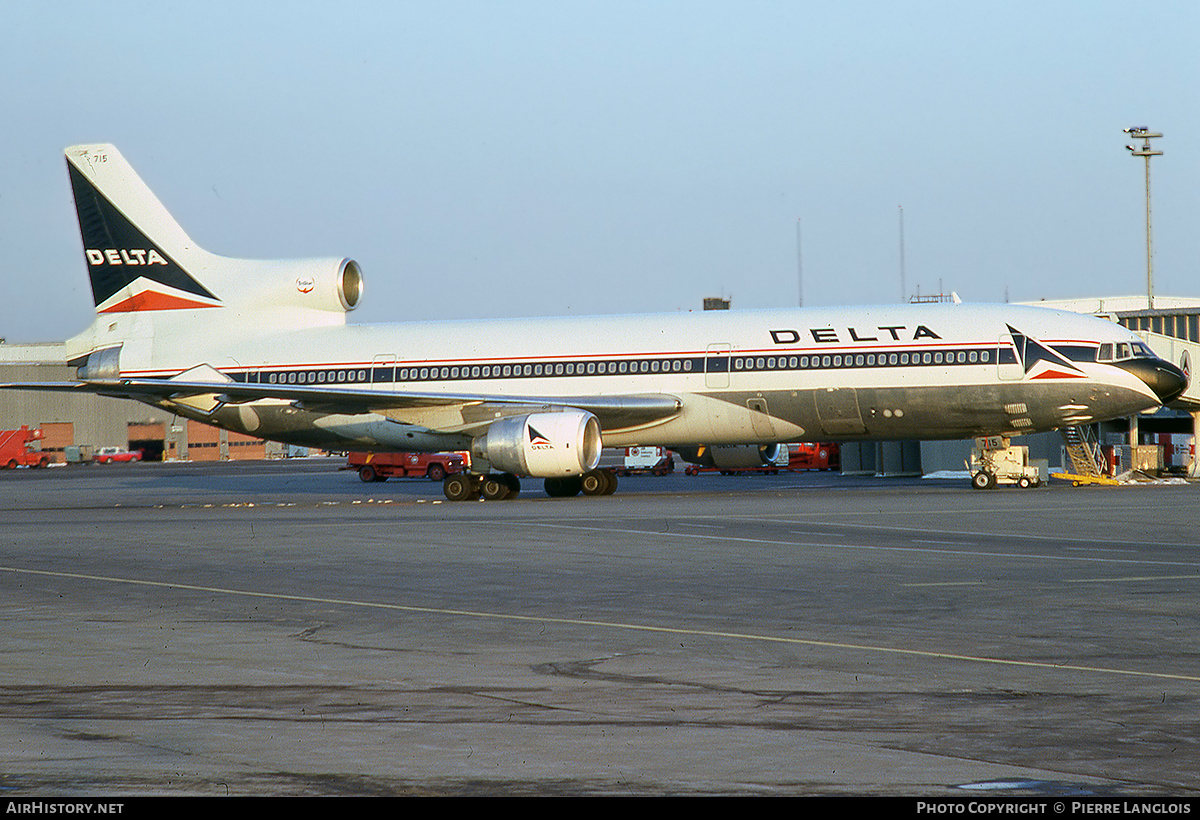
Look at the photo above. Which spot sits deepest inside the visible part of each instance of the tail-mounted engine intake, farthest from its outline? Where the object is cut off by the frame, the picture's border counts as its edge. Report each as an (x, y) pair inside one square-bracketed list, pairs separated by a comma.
[(543, 445), (349, 284), (327, 285)]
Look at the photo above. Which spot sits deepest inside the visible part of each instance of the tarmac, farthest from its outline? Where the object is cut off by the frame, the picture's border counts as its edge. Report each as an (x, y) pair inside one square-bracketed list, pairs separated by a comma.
[(280, 628)]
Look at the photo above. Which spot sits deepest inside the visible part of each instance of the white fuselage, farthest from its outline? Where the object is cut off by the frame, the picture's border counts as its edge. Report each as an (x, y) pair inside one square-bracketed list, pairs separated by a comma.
[(878, 372)]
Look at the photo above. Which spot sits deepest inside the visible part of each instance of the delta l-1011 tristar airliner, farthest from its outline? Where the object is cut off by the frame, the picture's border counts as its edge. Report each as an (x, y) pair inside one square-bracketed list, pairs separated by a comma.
[(263, 348)]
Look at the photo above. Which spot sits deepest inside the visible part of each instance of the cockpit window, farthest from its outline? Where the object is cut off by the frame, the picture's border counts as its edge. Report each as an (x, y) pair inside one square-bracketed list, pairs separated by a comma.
[(1120, 351)]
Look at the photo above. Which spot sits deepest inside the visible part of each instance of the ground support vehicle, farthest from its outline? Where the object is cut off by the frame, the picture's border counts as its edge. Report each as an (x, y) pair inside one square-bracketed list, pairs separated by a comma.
[(1077, 480), (78, 454), (646, 461), (809, 455), (16, 448), (382, 466), (1088, 465), (994, 461)]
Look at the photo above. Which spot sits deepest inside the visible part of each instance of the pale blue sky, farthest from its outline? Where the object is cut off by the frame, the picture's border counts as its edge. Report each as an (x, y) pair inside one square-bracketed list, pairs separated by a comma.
[(538, 158)]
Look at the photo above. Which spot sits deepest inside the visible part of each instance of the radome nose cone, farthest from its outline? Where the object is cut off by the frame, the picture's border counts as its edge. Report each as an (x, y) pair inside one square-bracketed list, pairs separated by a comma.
[(1166, 380)]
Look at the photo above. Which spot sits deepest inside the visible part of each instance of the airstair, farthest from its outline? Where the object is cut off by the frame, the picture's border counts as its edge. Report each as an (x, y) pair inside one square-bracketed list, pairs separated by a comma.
[(1086, 468)]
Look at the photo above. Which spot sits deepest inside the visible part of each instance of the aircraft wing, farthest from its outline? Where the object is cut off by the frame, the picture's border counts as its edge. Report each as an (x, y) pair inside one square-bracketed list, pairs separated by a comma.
[(441, 412)]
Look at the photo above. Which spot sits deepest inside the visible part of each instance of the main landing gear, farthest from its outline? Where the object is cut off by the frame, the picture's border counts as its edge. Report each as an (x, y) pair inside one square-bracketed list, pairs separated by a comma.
[(593, 482), (493, 487), (503, 486)]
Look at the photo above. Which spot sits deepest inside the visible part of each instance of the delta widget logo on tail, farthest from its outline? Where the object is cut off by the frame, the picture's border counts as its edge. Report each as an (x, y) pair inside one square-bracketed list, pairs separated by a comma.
[(127, 270)]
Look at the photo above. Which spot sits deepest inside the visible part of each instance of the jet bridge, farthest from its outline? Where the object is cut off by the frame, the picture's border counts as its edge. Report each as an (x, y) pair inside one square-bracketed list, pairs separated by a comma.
[(1185, 354)]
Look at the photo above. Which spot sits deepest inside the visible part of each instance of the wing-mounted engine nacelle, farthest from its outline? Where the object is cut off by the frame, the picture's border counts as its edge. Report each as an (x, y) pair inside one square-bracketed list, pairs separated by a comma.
[(543, 445), (330, 285), (730, 456)]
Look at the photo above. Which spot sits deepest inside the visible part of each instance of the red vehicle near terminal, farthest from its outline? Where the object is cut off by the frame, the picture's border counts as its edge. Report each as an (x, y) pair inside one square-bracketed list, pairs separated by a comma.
[(382, 466), (15, 448), (812, 456), (116, 455)]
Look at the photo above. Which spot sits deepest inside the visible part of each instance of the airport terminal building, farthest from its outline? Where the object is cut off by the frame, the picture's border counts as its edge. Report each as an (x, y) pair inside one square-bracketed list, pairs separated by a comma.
[(85, 420)]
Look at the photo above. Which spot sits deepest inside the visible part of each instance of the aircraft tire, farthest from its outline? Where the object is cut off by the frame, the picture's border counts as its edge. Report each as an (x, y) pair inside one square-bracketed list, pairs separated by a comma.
[(513, 483), (459, 487), (494, 488), (594, 482), (612, 483), (564, 486)]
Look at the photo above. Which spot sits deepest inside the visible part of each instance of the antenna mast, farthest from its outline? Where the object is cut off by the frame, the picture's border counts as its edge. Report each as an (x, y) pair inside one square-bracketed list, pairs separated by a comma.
[(799, 266)]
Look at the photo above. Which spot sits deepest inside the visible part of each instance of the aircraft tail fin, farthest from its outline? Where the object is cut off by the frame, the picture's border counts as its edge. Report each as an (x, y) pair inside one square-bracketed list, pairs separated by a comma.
[(138, 257)]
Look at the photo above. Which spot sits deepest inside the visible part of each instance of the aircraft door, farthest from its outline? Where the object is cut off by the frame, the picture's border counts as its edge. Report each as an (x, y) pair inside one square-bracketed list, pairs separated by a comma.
[(716, 365), (383, 369), (837, 409), (1009, 366), (760, 419)]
